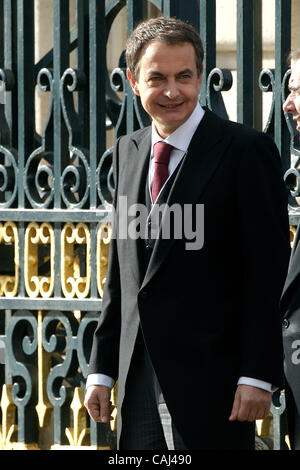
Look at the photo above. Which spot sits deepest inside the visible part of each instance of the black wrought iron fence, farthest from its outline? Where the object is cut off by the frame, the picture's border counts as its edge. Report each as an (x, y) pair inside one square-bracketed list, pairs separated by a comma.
[(56, 190)]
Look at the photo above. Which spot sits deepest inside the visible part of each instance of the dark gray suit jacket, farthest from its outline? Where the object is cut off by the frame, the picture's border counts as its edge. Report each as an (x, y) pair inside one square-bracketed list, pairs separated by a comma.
[(207, 316), (290, 307)]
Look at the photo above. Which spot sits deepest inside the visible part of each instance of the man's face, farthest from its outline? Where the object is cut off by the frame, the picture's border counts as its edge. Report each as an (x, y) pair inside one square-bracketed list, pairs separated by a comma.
[(292, 103), (168, 84)]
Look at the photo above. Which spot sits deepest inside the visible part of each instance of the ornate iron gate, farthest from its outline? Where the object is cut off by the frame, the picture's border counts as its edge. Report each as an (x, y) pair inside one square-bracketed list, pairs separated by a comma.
[(56, 191)]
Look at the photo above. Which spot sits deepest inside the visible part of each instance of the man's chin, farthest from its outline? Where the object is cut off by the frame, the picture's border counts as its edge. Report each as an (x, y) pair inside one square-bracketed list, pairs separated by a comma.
[(172, 117), (168, 127)]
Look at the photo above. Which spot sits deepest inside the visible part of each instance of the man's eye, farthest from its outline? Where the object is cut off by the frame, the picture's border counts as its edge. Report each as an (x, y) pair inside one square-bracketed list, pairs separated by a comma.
[(294, 93), (155, 79)]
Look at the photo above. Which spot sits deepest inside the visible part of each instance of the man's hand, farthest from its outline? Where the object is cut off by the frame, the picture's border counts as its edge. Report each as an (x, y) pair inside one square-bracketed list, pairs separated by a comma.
[(250, 403), (97, 402)]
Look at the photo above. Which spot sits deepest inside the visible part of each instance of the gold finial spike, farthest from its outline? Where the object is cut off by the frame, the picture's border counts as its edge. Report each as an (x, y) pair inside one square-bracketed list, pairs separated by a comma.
[(43, 406), (79, 432)]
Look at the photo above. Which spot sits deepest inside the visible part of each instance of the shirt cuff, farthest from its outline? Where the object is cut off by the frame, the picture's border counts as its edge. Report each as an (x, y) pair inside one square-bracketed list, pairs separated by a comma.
[(99, 379), (257, 383)]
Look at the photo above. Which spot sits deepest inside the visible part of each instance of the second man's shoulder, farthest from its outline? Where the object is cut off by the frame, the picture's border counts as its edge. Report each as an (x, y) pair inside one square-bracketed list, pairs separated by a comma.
[(243, 132)]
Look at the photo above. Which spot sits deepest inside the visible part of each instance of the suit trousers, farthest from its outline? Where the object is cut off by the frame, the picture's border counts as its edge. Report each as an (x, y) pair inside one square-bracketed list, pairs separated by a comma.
[(296, 439), (293, 415), (146, 421)]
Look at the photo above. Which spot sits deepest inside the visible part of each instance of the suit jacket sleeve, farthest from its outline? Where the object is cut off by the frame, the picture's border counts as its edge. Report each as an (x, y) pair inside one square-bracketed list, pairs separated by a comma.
[(104, 358), (264, 231)]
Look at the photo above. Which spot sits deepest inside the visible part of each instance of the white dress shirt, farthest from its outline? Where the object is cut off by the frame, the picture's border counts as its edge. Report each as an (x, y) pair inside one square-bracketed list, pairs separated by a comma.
[(180, 139)]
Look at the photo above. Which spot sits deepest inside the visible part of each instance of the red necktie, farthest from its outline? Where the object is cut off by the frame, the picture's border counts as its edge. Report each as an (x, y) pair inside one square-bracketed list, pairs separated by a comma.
[(161, 152)]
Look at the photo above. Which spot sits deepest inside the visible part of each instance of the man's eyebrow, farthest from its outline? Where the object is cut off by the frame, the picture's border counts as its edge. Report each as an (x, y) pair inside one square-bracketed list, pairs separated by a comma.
[(185, 71), (156, 72), (294, 88)]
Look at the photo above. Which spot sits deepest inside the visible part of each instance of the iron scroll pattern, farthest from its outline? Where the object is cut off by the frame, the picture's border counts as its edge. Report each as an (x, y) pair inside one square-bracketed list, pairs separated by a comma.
[(56, 192)]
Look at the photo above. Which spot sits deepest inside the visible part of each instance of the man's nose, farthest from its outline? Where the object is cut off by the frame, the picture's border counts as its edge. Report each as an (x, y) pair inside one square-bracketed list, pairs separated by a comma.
[(171, 89), (289, 105)]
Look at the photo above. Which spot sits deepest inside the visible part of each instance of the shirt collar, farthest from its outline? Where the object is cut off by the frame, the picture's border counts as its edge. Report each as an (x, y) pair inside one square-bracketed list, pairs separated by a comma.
[(182, 136)]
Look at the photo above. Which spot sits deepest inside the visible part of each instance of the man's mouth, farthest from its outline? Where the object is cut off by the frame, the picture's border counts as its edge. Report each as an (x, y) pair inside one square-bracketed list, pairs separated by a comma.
[(297, 119), (171, 106)]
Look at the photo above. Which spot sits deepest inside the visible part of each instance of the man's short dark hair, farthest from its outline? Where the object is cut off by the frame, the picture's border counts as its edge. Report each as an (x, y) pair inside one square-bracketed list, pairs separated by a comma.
[(169, 31), (294, 56)]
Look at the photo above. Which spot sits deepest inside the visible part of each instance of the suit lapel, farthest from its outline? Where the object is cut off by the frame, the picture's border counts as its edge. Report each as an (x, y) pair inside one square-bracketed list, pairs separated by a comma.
[(137, 167), (203, 156), (293, 270)]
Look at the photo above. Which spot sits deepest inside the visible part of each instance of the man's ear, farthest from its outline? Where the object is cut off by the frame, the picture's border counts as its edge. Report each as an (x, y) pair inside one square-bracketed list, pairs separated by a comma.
[(200, 77), (201, 71), (132, 82)]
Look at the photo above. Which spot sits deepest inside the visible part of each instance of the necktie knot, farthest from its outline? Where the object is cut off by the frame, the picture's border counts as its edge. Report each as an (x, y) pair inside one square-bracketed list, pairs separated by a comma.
[(161, 153)]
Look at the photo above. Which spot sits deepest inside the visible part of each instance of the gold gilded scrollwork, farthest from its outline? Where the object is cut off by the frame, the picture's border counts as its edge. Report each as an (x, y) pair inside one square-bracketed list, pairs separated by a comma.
[(292, 234), (36, 235), (8, 428), (9, 235), (74, 283), (103, 241), (114, 400)]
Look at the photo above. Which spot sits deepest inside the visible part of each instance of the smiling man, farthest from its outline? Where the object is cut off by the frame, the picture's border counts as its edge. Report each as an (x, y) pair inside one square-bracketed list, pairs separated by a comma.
[(292, 103), (168, 84), (193, 336)]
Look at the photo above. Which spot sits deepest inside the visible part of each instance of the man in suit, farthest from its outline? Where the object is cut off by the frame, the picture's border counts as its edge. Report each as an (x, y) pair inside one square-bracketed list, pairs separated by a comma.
[(191, 332), (290, 300)]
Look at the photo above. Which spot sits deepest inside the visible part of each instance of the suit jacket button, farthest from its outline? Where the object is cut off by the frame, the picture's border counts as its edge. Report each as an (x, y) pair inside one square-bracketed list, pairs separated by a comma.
[(144, 293), (285, 323)]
